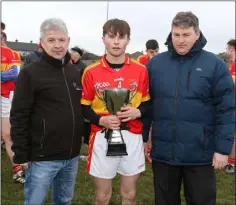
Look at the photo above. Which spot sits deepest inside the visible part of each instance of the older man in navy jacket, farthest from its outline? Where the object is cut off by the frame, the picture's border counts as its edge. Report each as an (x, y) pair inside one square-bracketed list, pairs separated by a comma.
[(192, 111)]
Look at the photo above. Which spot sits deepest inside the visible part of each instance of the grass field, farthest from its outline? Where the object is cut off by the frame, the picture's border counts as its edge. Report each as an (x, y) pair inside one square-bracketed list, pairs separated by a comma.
[(12, 194)]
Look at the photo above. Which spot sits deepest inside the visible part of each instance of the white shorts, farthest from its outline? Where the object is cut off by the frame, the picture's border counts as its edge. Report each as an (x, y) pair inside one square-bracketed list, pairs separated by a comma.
[(6, 105), (102, 166)]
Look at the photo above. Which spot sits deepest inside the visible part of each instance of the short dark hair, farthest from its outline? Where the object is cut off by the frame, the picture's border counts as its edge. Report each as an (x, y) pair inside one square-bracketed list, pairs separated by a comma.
[(4, 36), (186, 20), (116, 26), (152, 44), (78, 50), (3, 26), (232, 42)]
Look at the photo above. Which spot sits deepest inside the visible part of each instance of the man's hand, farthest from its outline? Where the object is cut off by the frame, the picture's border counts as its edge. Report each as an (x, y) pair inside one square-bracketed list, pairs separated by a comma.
[(110, 122), (128, 113), (147, 152), (24, 166), (219, 161)]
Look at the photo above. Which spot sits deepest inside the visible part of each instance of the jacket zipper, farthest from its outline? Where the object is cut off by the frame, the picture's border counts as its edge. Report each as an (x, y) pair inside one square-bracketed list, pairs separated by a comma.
[(174, 116), (72, 110), (43, 135)]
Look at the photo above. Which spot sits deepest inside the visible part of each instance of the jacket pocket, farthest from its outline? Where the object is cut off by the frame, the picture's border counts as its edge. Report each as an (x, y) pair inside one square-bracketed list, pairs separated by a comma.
[(43, 135)]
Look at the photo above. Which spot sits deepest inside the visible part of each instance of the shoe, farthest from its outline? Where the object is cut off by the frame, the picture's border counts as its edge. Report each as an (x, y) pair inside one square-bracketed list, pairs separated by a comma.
[(229, 169), (19, 178)]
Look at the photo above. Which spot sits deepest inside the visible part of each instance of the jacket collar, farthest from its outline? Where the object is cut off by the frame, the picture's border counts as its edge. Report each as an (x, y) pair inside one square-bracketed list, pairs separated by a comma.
[(55, 62)]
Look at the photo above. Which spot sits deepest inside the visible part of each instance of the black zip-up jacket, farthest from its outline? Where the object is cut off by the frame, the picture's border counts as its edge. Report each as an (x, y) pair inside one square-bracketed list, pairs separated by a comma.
[(46, 116)]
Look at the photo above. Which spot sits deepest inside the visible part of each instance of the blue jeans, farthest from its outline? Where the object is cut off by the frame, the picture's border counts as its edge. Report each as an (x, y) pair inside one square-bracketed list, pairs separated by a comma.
[(61, 174)]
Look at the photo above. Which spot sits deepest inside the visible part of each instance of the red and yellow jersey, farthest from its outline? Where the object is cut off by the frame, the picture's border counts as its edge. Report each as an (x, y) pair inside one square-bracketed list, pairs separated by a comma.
[(17, 58), (9, 58), (143, 59), (100, 76)]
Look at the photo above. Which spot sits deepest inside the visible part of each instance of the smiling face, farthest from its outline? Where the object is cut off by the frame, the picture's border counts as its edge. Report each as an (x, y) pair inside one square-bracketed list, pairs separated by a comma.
[(55, 43)]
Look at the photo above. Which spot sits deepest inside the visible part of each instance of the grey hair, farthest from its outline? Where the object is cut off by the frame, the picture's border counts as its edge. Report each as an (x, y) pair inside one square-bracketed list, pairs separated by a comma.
[(52, 24), (186, 20)]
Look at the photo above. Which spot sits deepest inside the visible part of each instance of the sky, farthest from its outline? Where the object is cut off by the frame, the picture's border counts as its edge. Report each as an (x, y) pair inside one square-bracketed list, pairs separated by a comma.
[(148, 20)]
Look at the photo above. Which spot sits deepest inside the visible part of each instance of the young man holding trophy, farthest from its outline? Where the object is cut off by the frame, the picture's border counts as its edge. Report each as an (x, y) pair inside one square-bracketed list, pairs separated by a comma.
[(115, 97)]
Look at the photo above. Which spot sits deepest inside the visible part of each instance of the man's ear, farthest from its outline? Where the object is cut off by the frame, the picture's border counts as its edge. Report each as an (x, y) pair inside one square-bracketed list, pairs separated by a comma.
[(198, 32), (41, 43)]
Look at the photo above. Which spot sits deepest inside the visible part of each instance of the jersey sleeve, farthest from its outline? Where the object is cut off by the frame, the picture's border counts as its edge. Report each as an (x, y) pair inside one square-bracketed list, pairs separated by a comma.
[(88, 92), (145, 90)]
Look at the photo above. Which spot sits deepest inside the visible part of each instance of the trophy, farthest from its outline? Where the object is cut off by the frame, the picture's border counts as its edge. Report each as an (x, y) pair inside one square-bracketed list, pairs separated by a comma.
[(114, 99)]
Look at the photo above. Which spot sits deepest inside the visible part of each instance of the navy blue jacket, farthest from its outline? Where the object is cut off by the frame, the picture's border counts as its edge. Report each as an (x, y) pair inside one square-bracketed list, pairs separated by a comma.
[(192, 106)]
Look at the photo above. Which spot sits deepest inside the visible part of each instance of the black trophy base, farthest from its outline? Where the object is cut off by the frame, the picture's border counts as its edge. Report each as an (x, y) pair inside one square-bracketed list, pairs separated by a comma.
[(116, 150)]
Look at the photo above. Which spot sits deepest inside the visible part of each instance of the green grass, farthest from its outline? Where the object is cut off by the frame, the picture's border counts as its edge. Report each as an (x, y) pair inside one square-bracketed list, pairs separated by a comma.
[(12, 193)]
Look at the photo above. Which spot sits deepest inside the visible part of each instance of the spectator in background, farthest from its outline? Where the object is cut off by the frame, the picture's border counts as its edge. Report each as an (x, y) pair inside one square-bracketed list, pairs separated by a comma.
[(10, 66), (33, 57), (76, 54), (230, 52), (152, 49)]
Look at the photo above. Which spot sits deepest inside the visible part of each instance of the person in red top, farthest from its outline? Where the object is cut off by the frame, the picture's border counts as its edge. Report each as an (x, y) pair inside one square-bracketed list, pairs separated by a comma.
[(230, 51), (10, 67), (152, 49), (115, 70)]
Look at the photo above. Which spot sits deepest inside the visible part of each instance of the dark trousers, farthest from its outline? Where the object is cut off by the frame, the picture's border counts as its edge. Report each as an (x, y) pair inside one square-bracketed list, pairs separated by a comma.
[(199, 184)]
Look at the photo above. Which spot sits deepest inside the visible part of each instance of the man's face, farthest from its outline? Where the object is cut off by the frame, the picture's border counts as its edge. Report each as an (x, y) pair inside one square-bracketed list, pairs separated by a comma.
[(151, 52), (230, 52), (115, 44), (75, 56), (183, 39), (55, 44)]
